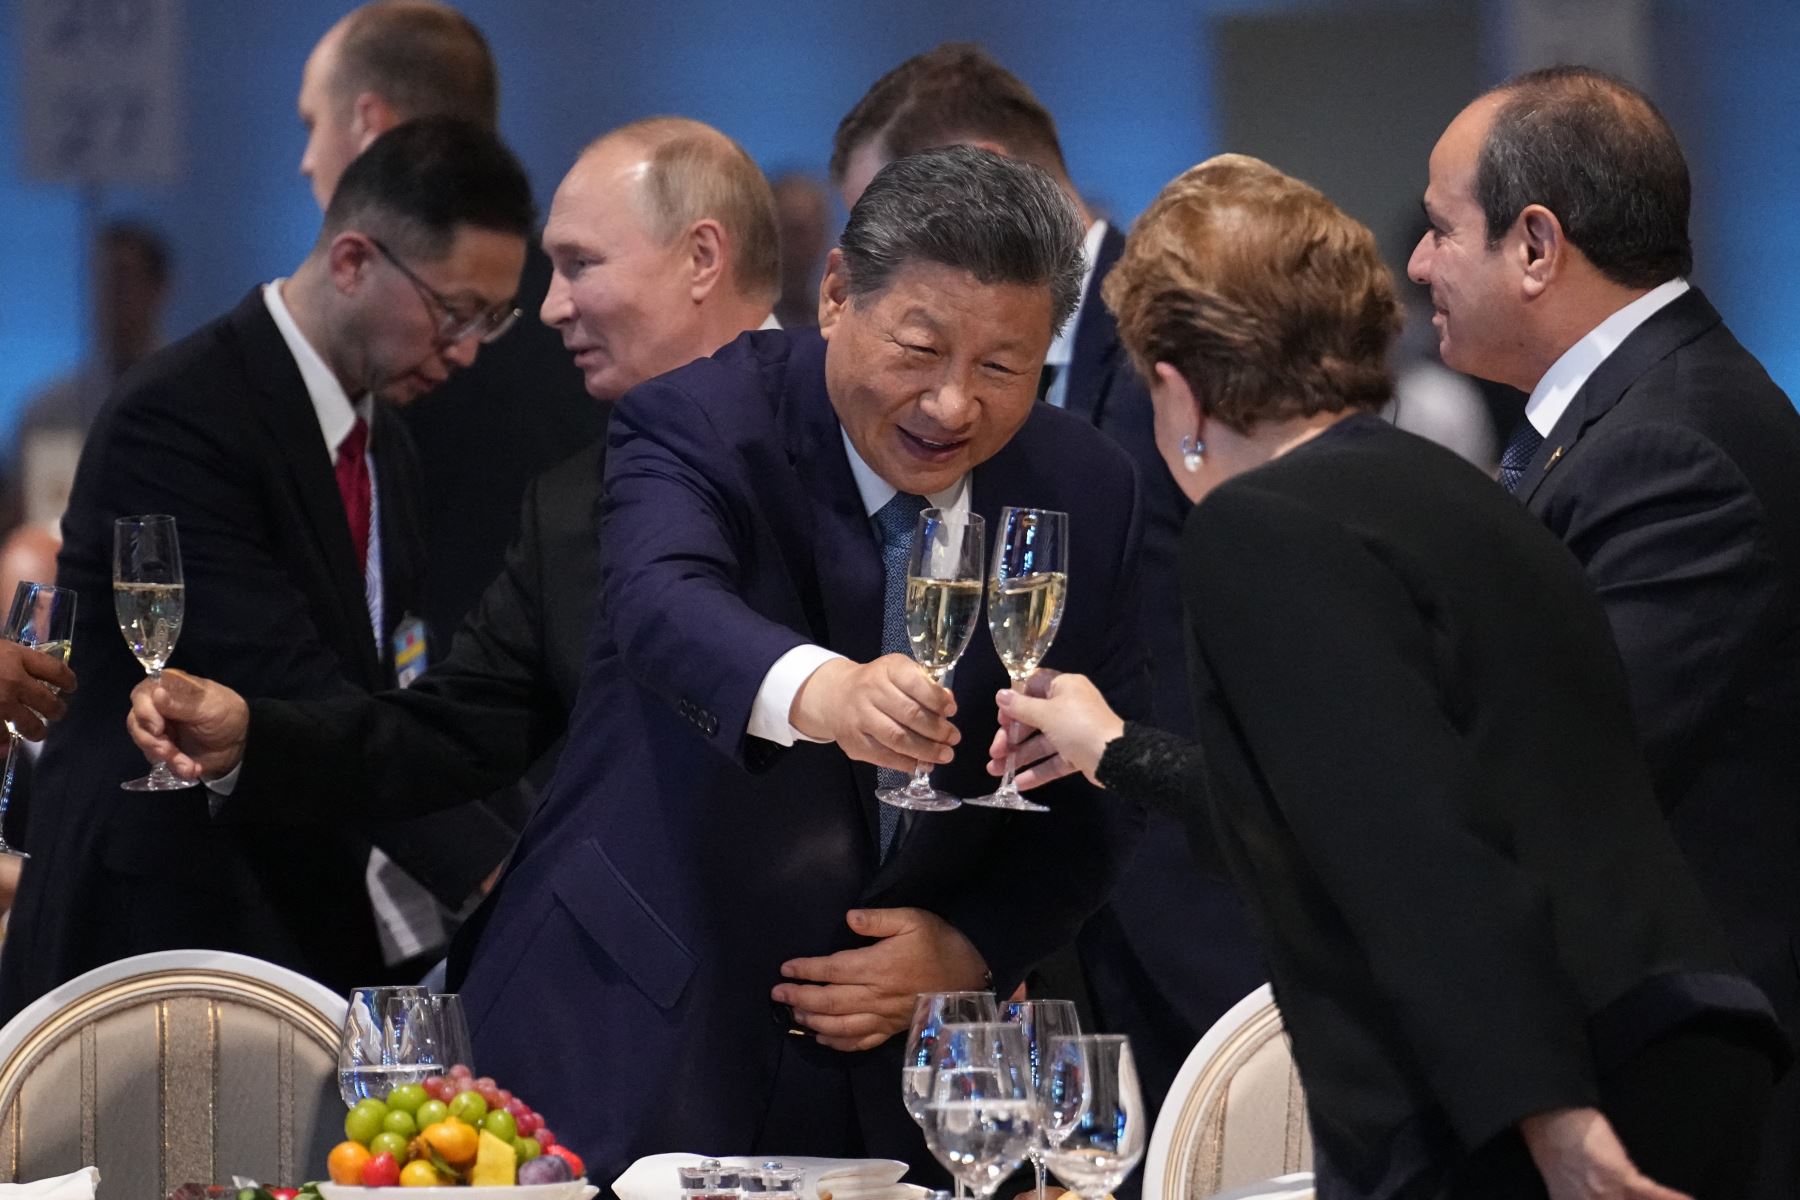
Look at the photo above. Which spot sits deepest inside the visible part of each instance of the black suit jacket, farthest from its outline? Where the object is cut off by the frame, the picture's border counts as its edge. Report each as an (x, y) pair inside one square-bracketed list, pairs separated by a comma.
[(495, 708), (1172, 949), (219, 431), (1674, 477), (1424, 774), (482, 437)]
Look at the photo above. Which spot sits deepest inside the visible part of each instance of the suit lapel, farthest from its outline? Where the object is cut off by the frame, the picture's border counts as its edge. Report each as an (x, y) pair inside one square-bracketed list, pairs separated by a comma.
[(1667, 330), (287, 410), (1095, 354)]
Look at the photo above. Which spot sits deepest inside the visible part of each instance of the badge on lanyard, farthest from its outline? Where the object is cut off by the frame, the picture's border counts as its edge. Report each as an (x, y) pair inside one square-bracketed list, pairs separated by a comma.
[(410, 657)]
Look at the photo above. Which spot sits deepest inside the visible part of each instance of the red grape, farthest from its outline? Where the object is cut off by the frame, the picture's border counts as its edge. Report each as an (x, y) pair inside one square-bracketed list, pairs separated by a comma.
[(529, 1123), (506, 1098), (515, 1106), (544, 1137)]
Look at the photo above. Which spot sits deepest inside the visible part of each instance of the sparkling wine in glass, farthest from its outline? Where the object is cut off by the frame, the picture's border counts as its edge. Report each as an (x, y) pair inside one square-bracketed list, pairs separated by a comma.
[(1095, 1100), (982, 1118), (1025, 597), (390, 1037), (42, 617), (943, 602), (148, 596), (931, 1012), (1042, 1021)]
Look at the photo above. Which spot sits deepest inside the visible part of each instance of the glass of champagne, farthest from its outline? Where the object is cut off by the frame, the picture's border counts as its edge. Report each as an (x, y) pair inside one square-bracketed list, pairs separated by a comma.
[(1098, 1109), (1042, 1021), (148, 596), (1026, 589), (390, 1037), (943, 602), (982, 1118), (42, 617)]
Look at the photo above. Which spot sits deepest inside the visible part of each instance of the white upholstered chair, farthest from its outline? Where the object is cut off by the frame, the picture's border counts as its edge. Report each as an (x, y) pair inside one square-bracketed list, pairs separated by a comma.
[(1235, 1114), (175, 1067)]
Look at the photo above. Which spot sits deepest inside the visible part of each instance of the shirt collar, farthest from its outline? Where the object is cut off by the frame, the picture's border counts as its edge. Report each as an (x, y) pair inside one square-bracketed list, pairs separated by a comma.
[(1062, 350), (770, 322), (876, 491), (331, 405), (1554, 392)]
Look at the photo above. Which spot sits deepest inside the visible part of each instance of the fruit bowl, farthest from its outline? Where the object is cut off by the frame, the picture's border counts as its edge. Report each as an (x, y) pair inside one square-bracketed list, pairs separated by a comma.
[(579, 1189)]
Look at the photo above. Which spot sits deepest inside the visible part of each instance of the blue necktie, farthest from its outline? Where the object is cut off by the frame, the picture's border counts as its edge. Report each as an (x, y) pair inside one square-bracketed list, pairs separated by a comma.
[(895, 523), (1521, 448)]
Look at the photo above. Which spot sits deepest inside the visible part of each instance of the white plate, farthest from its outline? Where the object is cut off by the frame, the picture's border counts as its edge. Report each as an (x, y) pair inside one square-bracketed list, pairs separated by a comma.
[(578, 1189)]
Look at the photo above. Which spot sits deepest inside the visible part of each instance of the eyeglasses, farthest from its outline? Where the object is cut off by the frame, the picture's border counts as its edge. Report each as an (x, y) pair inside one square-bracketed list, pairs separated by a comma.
[(454, 324)]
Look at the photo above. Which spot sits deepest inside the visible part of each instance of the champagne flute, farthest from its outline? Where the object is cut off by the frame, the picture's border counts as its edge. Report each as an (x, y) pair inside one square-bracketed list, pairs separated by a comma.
[(42, 617), (390, 1037), (982, 1118), (1025, 606), (148, 596), (1043, 1021), (943, 600), (1094, 1098)]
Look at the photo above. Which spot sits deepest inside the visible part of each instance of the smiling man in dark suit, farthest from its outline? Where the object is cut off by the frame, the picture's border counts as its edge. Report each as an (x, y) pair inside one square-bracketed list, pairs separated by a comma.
[(710, 902), (1658, 449), (1172, 950), (267, 435)]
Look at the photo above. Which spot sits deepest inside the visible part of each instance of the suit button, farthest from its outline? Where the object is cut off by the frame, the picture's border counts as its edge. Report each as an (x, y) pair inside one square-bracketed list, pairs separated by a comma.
[(712, 725)]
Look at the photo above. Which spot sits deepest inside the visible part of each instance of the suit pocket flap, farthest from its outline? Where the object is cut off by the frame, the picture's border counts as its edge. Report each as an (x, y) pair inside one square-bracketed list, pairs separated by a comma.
[(619, 921)]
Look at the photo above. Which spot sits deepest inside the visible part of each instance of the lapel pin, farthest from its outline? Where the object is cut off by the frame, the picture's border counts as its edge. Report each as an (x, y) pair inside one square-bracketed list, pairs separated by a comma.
[(1554, 455)]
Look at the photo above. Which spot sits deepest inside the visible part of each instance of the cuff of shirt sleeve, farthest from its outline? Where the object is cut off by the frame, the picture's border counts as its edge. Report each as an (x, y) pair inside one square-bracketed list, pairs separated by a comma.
[(221, 789), (775, 698)]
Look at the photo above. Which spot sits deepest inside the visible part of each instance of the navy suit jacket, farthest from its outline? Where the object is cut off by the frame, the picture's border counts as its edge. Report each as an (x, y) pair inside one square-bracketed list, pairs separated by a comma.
[(1672, 478), (621, 970)]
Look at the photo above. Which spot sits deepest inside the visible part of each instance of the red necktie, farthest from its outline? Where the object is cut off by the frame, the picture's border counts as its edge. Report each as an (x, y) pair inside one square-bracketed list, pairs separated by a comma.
[(353, 486)]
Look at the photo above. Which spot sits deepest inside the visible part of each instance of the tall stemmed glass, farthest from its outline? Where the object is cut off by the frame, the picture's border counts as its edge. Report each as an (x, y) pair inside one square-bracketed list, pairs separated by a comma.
[(983, 1116), (451, 1028), (1042, 1021), (42, 617), (932, 1011), (148, 597), (1025, 607), (390, 1037), (1094, 1093), (943, 602)]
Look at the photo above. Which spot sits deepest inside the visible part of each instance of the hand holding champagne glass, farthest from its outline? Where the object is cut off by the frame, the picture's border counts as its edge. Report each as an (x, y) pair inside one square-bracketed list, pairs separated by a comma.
[(42, 617), (148, 596), (943, 601), (1026, 590)]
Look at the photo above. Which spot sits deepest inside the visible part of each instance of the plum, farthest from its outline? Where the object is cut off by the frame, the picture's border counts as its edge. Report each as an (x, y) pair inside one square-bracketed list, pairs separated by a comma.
[(548, 1169)]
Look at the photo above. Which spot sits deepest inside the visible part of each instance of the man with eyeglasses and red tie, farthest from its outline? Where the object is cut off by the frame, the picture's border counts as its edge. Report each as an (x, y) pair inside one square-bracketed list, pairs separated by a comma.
[(270, 435)]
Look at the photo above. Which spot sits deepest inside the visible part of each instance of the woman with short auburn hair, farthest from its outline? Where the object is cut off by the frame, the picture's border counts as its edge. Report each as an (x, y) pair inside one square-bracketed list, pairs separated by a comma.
[(1415, 758)]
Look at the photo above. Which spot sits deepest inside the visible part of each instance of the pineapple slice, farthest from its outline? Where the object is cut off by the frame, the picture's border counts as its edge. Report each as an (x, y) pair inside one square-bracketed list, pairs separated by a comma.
[(496, 1163)]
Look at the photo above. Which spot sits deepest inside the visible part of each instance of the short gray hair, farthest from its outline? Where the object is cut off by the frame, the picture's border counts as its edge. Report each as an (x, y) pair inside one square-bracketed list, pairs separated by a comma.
[(999, 219)]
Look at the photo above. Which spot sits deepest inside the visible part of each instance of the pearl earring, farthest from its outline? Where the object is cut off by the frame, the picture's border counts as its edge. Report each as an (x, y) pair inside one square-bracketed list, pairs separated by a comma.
[(1191, 450)]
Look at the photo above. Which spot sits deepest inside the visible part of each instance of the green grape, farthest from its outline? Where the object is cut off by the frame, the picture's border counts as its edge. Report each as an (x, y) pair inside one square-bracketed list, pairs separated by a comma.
[(528, 1148), (407, 1097), (430, 1113), (365, 1120), (469, 1107), (401, 1123), (501, 1124), (391, 1142)]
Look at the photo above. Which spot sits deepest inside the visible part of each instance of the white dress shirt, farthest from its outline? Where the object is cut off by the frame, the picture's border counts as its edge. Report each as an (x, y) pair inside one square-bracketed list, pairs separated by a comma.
[(1062, 350), (1551, 397), (775, 698)]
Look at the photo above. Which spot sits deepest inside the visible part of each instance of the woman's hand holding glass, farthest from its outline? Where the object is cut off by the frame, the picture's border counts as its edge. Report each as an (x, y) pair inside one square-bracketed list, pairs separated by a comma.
[(1055, 725)]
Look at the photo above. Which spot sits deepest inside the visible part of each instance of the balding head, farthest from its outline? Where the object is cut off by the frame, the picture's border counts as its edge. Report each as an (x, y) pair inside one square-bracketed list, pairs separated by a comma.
[(385, 63), (664, 243)]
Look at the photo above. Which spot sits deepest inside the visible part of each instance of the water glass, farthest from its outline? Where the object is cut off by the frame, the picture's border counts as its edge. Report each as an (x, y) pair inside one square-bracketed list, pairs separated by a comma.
[(390, 1037), (1042, 1021), (982, 1118), (1094, 1093)]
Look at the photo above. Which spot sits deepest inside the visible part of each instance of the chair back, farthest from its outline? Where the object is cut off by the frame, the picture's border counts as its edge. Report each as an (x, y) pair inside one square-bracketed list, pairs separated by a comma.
[(1235, 1114), (169, 1068)]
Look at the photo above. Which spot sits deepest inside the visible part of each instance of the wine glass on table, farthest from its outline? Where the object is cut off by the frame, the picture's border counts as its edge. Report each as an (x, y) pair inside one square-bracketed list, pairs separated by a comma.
[(148, 596), (932, 1011), (390, 1037), (42, 617), (982, 1118), (1026, 589), (943, 602), (451, 1028), (1042, 1021), (1096, 1104)]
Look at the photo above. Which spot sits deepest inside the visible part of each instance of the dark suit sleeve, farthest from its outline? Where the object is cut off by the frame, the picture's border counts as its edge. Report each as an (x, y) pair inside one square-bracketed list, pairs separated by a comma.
[(675, 522), (1013, 919), (473, 723), (1323, 659), (1673, 540)]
